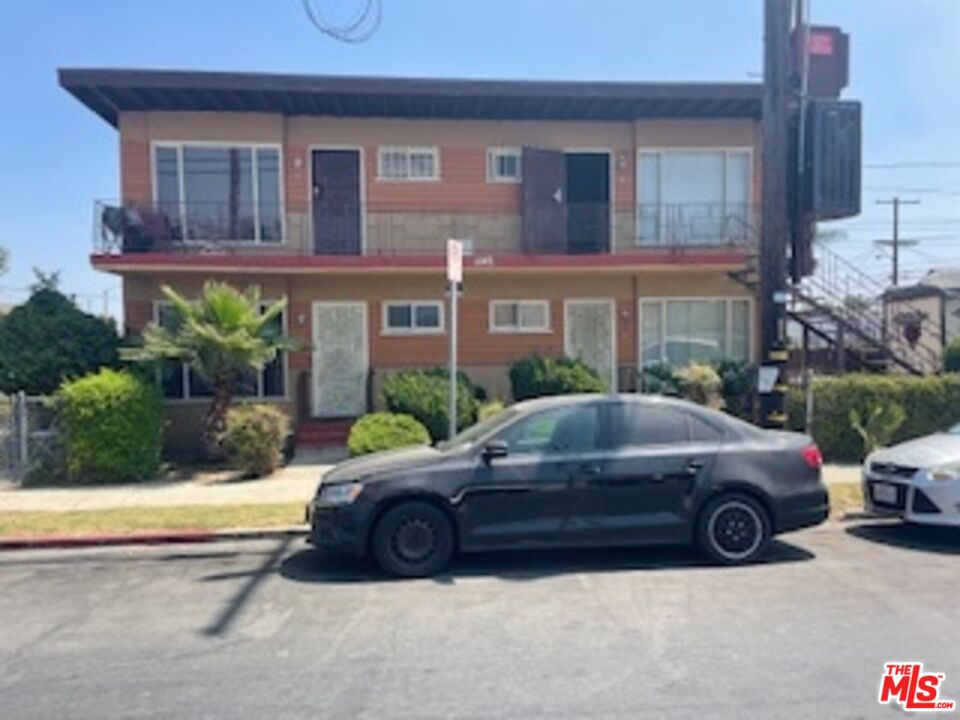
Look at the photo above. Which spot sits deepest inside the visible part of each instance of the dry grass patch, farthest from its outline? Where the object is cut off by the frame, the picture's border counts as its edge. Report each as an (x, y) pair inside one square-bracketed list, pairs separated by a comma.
[(845, 497)]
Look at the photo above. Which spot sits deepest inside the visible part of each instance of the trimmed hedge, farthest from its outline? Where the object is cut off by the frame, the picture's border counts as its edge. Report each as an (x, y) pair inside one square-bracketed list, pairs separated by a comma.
[(112, 423), (951, 356), (931, 404), (385, 431), (424, 395), (539, 376), (255, 437)]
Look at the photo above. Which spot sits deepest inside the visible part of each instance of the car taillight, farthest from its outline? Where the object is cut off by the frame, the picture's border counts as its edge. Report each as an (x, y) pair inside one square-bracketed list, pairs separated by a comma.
[(813, 456)]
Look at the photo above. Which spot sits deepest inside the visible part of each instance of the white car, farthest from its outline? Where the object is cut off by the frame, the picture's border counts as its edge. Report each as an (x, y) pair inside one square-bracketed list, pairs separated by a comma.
[(918, 480)]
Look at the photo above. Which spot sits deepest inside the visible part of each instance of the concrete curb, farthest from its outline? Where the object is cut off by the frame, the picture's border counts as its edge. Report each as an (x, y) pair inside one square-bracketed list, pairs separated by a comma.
[(149, 538)]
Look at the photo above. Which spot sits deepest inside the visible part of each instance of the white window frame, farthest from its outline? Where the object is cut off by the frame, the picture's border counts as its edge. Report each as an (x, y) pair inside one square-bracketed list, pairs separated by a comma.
[(385, 328), (728, 302), (493, 328), (660, 152), (493, 153), (255, 186), (186, 397), (409, 150)]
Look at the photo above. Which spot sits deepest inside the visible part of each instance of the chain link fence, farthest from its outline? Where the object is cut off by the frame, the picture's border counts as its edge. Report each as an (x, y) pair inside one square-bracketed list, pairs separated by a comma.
[(29, 441)]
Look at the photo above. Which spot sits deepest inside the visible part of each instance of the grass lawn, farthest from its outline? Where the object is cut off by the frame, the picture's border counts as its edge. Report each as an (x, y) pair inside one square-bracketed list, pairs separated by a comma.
[(142, 519), (845, 497)]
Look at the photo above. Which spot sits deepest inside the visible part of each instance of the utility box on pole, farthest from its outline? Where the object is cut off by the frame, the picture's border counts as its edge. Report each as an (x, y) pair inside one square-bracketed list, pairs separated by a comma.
[(833, 159)]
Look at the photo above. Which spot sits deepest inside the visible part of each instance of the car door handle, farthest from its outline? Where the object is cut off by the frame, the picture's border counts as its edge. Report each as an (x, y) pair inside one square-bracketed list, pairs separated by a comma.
[(695, 466), (591, 469)]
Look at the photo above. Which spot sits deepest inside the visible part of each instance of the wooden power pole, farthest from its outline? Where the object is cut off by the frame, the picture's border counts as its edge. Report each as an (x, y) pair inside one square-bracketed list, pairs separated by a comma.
[(778, 100), (896, 242)]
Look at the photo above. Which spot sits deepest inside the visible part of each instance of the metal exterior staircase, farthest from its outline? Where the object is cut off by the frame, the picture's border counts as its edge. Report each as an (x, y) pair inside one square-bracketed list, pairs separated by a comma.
[(844, 306)]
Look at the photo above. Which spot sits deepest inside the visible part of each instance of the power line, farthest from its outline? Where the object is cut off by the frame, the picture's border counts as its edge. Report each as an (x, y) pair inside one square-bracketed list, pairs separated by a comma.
[(913, 164), (895, 242)]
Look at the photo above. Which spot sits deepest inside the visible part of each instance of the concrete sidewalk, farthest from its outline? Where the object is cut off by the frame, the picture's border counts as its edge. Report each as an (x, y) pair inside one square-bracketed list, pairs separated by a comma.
[(294, 483)]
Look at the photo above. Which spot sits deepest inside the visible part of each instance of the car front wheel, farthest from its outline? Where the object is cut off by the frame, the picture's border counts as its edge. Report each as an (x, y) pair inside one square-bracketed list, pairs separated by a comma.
[(734, 529), (413, 539)]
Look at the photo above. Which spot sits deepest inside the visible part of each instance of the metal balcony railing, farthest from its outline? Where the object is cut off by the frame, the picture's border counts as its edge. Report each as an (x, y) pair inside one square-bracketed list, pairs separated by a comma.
[(578, 228), (697, 225)]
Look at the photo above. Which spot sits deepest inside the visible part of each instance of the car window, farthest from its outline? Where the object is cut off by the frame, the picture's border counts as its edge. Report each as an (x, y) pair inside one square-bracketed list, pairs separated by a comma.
[(703, 431), (646, 424), (566, 429)]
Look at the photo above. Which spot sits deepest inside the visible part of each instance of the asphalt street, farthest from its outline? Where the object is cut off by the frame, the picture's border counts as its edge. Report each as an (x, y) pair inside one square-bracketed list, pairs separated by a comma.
[(264, 629)]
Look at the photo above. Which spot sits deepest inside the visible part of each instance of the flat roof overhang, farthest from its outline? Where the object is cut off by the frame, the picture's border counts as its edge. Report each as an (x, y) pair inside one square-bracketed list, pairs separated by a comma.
[(664, 259), (109, 92)]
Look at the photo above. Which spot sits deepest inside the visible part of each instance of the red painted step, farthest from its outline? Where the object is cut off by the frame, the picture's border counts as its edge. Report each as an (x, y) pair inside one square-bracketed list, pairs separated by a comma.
[(324, 433)]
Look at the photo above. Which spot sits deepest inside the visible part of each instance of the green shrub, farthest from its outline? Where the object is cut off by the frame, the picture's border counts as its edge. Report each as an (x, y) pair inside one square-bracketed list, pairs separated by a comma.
[(254, 438), (738, 381), (537, 376), (659, 379), (424, 394), (930, 404), (112, 424), (489, 409), (877, 426), (701, 384), (385, 431), (951, 356)]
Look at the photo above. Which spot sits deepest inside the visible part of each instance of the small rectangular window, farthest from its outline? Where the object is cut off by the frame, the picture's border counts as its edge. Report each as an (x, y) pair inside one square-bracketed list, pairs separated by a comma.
[(408, 163), (413, 317), (503, 165), (520, 316)]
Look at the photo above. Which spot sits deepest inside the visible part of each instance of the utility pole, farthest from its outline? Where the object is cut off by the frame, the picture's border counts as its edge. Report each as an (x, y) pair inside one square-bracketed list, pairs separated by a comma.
[(896, 242), (776, 223)]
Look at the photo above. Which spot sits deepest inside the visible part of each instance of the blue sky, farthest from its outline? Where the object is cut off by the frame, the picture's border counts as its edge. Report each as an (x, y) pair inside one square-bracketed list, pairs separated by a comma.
[(56, 157)]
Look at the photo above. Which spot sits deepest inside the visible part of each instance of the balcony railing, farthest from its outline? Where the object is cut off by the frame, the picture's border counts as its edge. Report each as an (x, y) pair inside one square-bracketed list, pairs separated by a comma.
[(697, 225), (222, 227)]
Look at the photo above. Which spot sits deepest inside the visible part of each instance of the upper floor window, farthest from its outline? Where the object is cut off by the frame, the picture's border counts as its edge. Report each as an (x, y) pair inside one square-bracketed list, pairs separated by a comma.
[(408, 163), (693, 197), (519, 316), (219, 192), (419, 316), (503, 164)]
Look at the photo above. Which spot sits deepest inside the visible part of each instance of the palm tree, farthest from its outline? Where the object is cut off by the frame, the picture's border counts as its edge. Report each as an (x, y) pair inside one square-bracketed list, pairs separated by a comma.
[(221, 336)]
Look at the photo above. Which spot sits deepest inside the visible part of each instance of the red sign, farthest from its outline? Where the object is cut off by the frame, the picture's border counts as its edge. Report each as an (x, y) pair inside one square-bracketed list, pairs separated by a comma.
[(820, 43)]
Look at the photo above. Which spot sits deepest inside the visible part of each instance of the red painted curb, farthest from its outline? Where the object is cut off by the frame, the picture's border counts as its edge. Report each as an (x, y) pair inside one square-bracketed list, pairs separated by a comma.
[(70, 541)]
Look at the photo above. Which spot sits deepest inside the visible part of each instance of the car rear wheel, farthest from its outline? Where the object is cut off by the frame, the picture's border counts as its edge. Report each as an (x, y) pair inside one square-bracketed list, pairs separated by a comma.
[(734, 529), (413, 539)]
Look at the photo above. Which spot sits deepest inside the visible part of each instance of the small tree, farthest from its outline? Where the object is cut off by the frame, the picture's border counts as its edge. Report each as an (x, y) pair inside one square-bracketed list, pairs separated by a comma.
[(48, 339), (878, 426), (221, 336)]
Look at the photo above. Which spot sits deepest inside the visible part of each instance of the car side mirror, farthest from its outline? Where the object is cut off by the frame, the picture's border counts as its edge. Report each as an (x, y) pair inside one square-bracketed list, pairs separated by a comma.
[(495, 449)]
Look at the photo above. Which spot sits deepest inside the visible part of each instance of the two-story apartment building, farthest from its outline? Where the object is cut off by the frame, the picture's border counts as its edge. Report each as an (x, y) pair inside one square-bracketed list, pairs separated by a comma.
[(602, 220)]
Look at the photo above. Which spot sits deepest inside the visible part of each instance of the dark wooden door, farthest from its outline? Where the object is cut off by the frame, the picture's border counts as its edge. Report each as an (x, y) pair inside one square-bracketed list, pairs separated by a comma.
[(336, 202), (544, 201)]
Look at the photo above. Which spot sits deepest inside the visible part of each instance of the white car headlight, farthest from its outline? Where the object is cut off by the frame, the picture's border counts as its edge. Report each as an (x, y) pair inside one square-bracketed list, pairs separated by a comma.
[(946, 473), (339, 494)]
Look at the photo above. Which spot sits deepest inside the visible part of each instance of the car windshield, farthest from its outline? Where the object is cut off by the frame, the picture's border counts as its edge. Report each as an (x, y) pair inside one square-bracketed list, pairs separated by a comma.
[(483, 428)]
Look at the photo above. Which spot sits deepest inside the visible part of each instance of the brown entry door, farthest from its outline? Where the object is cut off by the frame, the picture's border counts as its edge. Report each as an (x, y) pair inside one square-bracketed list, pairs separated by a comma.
[(336, 202), (544, 201)]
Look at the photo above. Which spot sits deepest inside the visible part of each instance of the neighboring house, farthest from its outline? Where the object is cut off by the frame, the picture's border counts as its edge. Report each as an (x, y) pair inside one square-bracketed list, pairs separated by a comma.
[(924, 317), (602, 220)]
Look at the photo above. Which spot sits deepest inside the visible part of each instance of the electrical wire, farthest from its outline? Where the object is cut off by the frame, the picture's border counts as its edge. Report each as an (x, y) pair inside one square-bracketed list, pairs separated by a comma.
[(358, 30)]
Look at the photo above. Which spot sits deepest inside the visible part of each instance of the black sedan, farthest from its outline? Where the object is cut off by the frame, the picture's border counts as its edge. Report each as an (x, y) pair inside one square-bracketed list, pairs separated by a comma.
[(585, 470)]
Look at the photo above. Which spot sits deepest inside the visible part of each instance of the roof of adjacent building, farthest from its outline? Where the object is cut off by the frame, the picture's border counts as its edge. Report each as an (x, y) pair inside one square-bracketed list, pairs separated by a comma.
[(939, 281), (109, 92)]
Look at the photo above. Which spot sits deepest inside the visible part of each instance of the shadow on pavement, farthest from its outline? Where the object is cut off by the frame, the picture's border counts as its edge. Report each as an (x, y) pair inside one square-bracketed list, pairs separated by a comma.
[(523, 565), (926, 538)]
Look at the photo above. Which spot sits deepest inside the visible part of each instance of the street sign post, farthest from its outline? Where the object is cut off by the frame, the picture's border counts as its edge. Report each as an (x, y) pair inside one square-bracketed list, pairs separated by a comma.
[(454, 279)]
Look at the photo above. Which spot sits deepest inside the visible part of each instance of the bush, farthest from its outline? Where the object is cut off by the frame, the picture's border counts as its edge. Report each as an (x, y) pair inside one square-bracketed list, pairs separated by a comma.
[(113, 427), (876, 429), (489, 409), (255, 437), (424, 395), (701, 384), (385, 431), (738, 381), (951, 356), (930, 404), (48, 339), (538, 376)]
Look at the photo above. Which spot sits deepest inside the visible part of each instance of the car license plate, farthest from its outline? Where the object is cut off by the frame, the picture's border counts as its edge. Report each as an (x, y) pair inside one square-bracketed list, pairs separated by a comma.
[(885, 493)]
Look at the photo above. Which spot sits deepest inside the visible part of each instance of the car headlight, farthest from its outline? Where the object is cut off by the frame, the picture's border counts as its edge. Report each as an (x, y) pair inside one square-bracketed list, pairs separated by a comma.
[(343, 494), (946, 473)]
